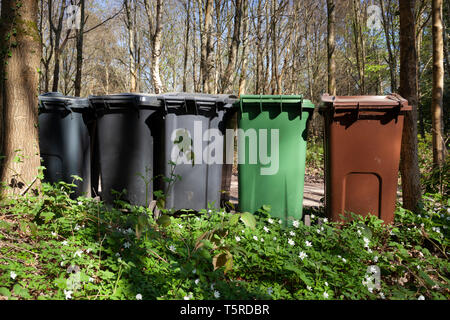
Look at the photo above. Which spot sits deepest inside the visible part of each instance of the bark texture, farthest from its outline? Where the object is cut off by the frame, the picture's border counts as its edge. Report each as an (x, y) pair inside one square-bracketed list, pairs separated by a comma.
[(19, 78)]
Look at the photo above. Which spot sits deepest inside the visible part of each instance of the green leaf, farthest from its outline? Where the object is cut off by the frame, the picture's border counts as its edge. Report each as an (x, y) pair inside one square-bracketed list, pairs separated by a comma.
[(299, 273), (5, 292), (21, 292), (427, 279), (234, 219), (164, 221), (47, 216), (249, 220)]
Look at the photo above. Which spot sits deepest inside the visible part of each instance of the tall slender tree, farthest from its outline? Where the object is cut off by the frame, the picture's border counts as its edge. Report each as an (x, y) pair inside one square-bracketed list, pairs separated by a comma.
[(331, 47), (439, 148), (409, 166), (79, 45)]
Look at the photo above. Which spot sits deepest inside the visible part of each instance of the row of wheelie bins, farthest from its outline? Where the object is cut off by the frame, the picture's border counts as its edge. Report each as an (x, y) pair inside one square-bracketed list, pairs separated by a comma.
[(127, 146)]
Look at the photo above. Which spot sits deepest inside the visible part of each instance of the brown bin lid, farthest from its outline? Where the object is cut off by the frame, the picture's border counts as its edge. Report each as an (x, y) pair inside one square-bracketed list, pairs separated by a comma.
[(366, 102)]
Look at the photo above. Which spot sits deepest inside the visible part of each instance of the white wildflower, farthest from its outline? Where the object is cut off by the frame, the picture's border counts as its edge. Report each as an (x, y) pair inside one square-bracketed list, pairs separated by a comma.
[(126, 245), (139, 296), (308, 244), (325, 295), (13, 275), (421, 297), (295, 223), (255, 238), (302, 255), (292, 234), (78, 253), (68, 294), (270, 291), (197, 281), (238, 238), (270, 220), (266, 229), (366, 242), (216, 294)]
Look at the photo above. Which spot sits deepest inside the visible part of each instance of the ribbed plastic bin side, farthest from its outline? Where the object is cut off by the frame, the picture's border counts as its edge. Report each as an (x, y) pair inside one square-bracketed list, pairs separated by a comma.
[(272, 153), (362, 140), (192, 149), (126, 124), (64, 140)]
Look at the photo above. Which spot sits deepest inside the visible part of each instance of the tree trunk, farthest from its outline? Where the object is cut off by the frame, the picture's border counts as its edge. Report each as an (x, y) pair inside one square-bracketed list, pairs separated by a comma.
[(186, 44), (131, 45), (331, 48), (243, 76), (208, 48), (79, 67), (58, 48), (229, 74), (439, 148), (409, 166), (259, 50), (391, 58), (156, 50), (19, 80)]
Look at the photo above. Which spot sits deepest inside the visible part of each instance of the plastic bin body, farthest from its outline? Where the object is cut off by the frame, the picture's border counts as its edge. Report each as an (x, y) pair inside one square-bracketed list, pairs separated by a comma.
[(124, 146), (64, 140), (363, 137), (283, 189), (190, 117)]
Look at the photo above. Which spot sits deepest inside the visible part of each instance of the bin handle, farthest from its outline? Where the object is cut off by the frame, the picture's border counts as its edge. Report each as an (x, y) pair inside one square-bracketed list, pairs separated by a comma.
[(181, 101), (64, 105)]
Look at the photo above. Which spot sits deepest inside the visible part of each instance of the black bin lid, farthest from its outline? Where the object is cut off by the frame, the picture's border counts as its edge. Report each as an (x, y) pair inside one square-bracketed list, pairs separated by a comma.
[(124, 101), (56, 101), (193, 102)]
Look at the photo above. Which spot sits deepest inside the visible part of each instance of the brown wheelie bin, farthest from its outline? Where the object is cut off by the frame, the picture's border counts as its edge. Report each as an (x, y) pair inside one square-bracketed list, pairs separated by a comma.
[(362, 138)]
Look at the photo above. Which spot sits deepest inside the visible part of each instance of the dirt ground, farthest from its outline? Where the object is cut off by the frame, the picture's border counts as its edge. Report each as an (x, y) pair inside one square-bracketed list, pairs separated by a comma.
[(312, 194)]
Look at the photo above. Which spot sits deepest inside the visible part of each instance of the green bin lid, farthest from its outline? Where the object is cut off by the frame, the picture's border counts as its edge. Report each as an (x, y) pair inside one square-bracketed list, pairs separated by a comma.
[(281, 99)]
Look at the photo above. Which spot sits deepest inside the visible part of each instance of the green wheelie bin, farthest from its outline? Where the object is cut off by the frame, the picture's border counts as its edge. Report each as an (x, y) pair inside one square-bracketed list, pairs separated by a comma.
[(272, 138)]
